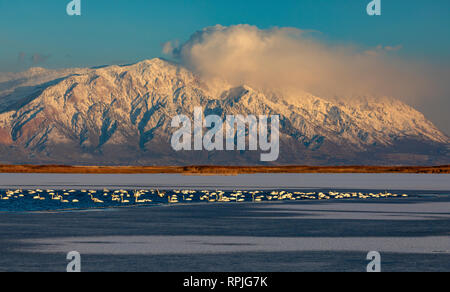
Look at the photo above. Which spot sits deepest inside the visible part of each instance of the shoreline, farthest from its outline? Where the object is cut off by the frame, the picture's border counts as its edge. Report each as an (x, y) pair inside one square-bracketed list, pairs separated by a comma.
[(208, 170)]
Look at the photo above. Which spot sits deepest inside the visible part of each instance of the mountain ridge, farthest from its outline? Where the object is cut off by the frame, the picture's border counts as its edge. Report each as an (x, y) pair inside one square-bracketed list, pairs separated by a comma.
[(120, 115)]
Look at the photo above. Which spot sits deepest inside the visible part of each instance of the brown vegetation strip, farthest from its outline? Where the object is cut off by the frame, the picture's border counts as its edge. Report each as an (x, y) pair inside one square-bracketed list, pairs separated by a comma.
[(219, 170)]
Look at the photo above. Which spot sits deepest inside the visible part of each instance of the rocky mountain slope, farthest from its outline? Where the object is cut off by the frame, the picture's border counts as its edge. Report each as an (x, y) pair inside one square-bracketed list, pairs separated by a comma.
[(120, 115)]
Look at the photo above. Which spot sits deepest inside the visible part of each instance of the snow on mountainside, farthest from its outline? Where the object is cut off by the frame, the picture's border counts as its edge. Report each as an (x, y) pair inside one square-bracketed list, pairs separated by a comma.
[(121, 115)]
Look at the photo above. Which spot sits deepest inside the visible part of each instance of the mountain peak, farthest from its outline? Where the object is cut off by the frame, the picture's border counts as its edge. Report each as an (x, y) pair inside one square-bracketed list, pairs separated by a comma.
[(156, 62)]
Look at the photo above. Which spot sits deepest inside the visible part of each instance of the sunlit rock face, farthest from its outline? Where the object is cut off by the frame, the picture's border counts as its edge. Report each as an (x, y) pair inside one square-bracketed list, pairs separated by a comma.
[(121, 115)]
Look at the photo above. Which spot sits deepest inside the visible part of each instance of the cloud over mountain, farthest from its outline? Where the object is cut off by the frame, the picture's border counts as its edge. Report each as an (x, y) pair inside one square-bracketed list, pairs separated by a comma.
[(296, 60)]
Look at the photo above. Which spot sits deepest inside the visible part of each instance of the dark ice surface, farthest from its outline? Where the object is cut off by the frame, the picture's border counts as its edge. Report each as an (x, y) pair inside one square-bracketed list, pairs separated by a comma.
[(412, 234)]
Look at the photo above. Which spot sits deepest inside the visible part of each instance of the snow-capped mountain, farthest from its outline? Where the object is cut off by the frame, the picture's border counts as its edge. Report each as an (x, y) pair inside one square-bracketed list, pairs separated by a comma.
[(121, 115)]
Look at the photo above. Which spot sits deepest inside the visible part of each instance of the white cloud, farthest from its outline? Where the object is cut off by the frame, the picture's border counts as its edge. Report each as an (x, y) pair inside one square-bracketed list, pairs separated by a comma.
[(292, 59)]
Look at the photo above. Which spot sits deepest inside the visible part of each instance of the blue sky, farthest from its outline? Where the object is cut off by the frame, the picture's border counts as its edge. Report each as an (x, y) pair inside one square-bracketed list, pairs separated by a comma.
[(112, 31)]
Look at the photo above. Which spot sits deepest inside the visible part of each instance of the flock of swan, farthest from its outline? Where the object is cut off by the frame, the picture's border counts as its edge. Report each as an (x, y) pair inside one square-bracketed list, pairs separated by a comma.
[(125, 197)]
